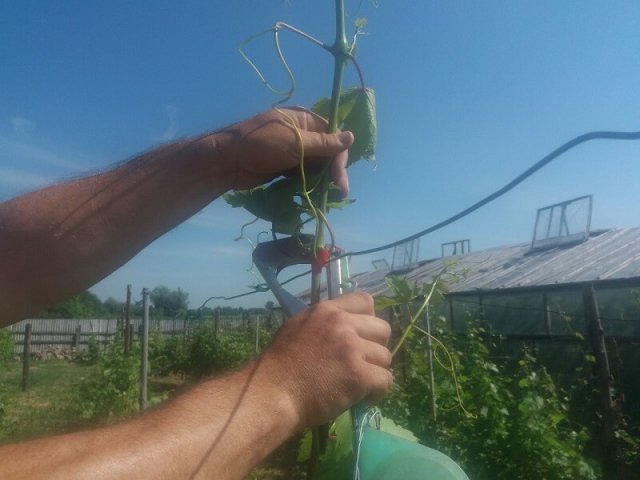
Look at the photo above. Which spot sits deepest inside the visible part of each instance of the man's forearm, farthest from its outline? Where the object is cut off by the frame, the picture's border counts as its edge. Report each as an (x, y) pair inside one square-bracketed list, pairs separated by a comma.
[(220, 429), (60, 240)]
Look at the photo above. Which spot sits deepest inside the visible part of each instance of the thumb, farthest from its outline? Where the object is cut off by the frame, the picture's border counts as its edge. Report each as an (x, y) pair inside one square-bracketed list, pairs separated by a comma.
[(325, 144)]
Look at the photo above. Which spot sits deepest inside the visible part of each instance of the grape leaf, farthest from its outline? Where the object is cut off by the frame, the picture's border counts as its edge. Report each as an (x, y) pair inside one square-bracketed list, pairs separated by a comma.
[(356, 113), (274, 202), (282, 202), (336, 463), (389, 426)]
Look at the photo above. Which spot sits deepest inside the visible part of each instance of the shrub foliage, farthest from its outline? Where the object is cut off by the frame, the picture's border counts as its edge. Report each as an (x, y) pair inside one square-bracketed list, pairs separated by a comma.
[(499, 419)]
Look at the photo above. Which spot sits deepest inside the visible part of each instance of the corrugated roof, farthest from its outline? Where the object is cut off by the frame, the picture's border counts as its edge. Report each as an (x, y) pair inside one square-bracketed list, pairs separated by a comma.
[(606, 255)]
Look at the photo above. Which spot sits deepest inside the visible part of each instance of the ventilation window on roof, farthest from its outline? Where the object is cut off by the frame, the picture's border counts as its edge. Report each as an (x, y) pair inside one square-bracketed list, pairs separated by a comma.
[(563, 223), (405, 255), (458, 247)]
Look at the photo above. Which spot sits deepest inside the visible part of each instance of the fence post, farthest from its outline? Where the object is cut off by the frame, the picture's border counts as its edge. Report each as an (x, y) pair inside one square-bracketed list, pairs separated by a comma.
[(257, 334), (248, 324), (128, 332), (216, 322), (432, 382), (75, 339), (547, 313), (144, 349), (452, 318), (604, 381), (26, 357)]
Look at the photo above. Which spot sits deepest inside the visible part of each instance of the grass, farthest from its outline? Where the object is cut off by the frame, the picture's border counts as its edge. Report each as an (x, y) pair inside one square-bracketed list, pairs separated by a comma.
[(44, 408), (47, 407)]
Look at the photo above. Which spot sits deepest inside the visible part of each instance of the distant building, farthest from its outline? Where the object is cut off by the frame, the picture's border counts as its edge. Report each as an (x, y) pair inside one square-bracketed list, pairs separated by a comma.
[(536, 291)]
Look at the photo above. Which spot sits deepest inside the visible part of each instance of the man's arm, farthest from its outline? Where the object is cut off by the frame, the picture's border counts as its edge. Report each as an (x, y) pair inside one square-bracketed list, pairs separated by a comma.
[(58, 241), (321, 362)]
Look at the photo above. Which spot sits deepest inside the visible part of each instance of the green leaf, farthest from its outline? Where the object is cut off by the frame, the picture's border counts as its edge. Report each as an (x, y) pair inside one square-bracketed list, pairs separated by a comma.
[(304, 450), (334, 198), (389, 426), (356, 113), (337, 461), (282, 202), (342, 445), (361, 23), (383, 302), (274, 203), (401, 289)]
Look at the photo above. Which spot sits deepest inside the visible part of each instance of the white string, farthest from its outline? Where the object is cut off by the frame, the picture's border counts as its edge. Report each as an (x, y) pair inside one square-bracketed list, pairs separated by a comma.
[(366, 418)]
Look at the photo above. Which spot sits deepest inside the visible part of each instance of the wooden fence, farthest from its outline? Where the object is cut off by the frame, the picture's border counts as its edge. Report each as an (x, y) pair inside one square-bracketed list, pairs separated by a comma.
[(46, 332)]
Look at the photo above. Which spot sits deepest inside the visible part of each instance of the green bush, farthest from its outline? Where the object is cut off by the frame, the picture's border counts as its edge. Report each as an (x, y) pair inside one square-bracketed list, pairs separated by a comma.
[(113, 390), (93, 354), (7, 348), (209, 354), (499, 420), (201, 353), (3, 411), (167, 354)]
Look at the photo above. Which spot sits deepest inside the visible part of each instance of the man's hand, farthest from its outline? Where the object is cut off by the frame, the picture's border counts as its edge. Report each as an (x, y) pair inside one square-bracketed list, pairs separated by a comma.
[(267, 145), (329, 357)]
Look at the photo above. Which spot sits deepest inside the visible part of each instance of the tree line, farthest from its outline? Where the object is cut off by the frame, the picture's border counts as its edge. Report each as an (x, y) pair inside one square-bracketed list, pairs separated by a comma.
[(164, 303)]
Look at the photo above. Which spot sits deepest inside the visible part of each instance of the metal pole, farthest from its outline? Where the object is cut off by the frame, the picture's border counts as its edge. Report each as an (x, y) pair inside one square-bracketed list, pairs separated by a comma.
[(430, 359), (216, 322), (26, 357), (547, 313), (127, 321), (604, 381), (144, 350), (452, 318)]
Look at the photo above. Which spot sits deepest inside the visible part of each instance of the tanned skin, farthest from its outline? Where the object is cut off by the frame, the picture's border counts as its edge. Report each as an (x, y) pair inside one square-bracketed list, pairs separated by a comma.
[(58, 241)]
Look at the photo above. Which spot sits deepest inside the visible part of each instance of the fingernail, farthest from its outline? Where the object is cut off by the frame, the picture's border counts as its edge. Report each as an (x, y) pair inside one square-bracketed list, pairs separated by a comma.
[(346, 138)]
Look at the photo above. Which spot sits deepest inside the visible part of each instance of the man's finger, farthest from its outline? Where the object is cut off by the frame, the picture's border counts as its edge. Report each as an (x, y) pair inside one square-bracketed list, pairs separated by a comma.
[(319, 144), (339, 172), (372, 328), (381, 381), (308, 120), (325, 144), (378, 355), (357, 302)]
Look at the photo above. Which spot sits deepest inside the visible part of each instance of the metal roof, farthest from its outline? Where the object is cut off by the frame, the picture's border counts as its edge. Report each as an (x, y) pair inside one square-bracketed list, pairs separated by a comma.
[(606, 255)]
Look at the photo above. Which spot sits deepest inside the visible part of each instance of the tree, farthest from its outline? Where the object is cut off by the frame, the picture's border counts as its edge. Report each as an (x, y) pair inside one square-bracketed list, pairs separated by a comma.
[(113, 307), (169, 303), (84, 305)]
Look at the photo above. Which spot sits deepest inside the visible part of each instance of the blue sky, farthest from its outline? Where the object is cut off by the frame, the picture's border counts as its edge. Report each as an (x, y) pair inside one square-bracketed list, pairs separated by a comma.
[(469, 95)]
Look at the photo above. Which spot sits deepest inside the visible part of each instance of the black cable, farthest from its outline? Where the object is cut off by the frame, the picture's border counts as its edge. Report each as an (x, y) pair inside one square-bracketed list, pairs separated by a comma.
[(498, 193), (519, 179), (261, 288)]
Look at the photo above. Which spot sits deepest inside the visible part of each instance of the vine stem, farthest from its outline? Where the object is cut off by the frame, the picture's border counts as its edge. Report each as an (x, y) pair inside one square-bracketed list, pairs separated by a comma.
[(452, 370), (340, 51), (414, 318)]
